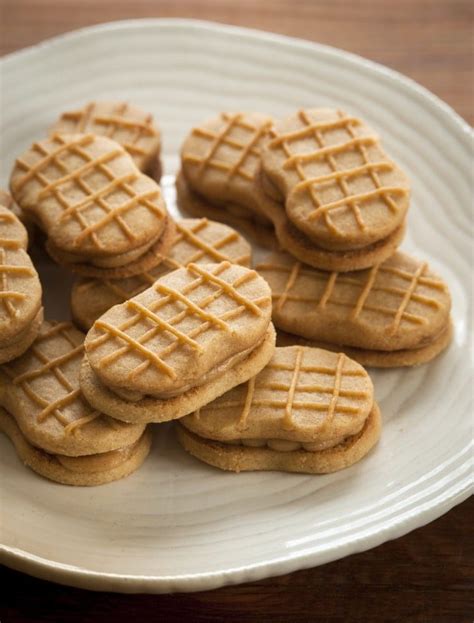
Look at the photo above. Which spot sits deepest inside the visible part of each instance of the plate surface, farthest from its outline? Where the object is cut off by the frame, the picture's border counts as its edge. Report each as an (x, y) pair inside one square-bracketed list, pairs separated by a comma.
[(177, 524)]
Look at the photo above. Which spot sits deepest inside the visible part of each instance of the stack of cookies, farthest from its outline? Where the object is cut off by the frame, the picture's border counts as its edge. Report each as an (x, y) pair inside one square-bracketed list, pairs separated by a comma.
[(337, 207), (180, 328), (54, 430), (101, 215), (21, 312)]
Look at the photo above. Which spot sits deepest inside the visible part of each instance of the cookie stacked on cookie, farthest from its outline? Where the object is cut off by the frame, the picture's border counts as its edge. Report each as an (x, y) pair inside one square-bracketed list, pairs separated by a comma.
[(54, 430), (194, 334), (308, 410), (396, 313), (21, 311), (102, 216), (337, 201), (220, 161), (196, 241)]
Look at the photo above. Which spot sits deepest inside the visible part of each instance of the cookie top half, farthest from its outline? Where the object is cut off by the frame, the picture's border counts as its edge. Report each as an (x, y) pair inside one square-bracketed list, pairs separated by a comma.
[(87, 194), (304, 394), (340, 187), (191, 324)]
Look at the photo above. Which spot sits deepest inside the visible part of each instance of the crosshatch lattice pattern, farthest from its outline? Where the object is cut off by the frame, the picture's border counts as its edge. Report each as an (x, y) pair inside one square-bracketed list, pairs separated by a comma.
[(340, 175), (134, 133), (58, 179), (69, 402), (244, 148), (189, 246), (153, 322), (290, 395), (9, 297), (364, 285)]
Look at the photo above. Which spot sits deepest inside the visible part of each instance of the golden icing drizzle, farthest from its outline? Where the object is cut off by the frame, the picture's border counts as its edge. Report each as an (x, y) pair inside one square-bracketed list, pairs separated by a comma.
[(242, 424), (55, 408), (244, 150), (171, 296), (287, 420), (328, 290), (406, 299), (362, 302), (289, 284), (337, 387), (90, 197), (340, 176), (358, 307)]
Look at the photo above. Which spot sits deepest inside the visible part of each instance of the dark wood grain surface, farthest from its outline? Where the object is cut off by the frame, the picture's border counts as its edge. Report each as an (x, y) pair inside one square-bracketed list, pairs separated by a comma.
[(426, 576)]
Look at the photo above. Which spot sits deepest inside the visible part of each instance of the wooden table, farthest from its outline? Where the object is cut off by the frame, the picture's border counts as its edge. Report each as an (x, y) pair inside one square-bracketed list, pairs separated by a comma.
[(425, 576)]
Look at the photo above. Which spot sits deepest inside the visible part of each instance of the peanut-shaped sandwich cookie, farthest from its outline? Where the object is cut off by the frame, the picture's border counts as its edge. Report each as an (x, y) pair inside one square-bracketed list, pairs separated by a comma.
[(54, 430), (196, 240), (337, 201), (395, 314), (101, 215), (21, 312), (309, 410), (128, 125), (194, 334), (220, 160)]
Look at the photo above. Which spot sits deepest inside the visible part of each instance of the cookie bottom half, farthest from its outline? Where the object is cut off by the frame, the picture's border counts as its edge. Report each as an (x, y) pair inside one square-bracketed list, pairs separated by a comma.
[(152, 257), (151, 409), (378, 358), (83, 473), (243, 458)]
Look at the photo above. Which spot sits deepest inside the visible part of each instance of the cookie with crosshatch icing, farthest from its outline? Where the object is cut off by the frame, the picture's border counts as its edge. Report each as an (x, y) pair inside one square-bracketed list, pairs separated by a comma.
[(219, 162), (193, 335), (309, 410), (339, 186), (127, 124), (55, 431), (196, 240), (102, 216), (21, 312), (395, 314)]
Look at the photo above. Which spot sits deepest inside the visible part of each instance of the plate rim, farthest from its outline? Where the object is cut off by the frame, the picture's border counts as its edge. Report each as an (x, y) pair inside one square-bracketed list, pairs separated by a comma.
[(81, 577)]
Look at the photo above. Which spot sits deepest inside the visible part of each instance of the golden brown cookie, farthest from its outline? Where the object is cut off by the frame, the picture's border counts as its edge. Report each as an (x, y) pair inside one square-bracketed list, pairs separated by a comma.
[(20, 289), (340, 188), (309, 410), (197, 332), (301, 247), (128, 125), (55, 430), (378, 315), (89, 470), (196, 240), (88, 196)]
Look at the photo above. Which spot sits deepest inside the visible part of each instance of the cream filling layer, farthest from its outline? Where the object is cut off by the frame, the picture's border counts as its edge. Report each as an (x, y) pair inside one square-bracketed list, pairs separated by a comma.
[(97, 462), (211, 375), (285, 445)]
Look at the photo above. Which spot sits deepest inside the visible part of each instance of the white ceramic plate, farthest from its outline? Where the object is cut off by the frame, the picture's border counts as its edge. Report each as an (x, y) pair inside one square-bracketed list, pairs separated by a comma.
[(177, 524)]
